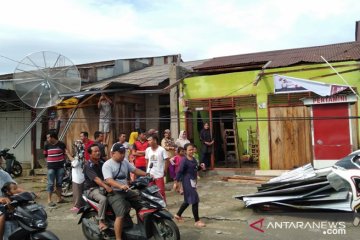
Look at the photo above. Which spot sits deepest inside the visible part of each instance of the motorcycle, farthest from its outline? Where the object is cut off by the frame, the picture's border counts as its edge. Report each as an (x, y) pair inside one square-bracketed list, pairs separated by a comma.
[(66, 187), (29, 217), (13, 167), (153, 220)]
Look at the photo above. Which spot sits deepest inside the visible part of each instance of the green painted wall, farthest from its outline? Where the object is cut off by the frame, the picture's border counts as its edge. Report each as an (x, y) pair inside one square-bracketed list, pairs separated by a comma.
[(241, 83), (246, 119)]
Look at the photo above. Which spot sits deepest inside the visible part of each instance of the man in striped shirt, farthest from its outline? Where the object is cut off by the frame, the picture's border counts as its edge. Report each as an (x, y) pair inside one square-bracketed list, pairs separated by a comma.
[(55, 152)]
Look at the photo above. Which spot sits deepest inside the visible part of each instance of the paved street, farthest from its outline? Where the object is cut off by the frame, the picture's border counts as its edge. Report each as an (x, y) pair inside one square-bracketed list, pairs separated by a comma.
[(226, 218)]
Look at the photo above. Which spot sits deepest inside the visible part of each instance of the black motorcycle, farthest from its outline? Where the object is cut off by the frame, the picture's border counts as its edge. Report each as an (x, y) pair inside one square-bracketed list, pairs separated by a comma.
[(66, 187), (13, 166), (153, 220), (30, 218)]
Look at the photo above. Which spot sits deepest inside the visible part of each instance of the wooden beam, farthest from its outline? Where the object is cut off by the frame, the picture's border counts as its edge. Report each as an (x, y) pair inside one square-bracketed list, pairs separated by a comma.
[(261, 73), (230, 69), (243, 177), (245, 181), (273, 173), (332, 74), (66, 128), (310, 69), (177, 82)]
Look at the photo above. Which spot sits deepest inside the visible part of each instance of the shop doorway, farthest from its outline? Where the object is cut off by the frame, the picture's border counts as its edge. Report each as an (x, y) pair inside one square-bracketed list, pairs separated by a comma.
[(236, 143), (331, 133)]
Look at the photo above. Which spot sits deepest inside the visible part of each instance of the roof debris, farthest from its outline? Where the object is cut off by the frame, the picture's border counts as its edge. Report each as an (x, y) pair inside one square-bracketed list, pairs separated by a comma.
[(333, 188)]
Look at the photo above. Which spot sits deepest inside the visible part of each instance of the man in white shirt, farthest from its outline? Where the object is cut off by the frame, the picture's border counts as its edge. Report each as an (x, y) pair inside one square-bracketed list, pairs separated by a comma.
[(104, 106), (157, 156)]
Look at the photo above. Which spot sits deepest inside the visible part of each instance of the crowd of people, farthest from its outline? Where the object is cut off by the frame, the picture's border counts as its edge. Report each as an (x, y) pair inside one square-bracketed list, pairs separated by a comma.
[(106, 178), (105, 175)]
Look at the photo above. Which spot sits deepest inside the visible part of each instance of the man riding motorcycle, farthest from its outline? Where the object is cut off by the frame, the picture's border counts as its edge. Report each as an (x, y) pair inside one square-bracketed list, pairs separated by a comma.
[(116, 171), (4, 178), (94, 180)]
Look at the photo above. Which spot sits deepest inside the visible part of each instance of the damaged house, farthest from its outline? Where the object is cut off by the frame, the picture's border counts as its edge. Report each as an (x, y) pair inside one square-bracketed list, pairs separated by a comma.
[(141, 90), (257, 121)]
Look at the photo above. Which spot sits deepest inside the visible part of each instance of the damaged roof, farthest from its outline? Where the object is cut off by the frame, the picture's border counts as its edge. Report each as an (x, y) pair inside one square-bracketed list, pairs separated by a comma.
[(282, 58), (148, 77)]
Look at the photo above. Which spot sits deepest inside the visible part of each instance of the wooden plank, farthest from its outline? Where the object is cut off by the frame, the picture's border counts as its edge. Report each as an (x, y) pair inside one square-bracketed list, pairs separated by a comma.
[(290, 137), (333, 74), (309, 69), (276, 137), (273, 173), (87, 118), (250, 178), (246, 181)]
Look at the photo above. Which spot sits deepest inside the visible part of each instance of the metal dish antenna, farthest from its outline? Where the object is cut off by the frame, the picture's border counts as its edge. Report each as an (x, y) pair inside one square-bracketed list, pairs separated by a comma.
[(40, 77)]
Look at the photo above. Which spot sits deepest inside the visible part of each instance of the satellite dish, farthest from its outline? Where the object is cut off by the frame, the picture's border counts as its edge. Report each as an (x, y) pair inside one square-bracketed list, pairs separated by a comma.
[(40, 77)]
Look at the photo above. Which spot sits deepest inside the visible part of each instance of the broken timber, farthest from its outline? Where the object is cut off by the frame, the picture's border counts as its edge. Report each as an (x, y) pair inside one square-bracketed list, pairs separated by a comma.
[(246, 179)]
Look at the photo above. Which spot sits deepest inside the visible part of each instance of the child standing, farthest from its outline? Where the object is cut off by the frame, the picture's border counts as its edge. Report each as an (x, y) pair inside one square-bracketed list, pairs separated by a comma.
[(175, 164), (78, 179), (180, 153)]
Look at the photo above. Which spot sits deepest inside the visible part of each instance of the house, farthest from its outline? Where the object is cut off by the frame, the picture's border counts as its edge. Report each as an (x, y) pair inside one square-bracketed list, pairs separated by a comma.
[(142, 99), (137, 86), (256, 127)]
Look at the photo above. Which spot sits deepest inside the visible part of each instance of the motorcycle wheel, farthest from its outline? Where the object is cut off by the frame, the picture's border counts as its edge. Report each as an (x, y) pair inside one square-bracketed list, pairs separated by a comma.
[(16, 169), (89, 235), (66, 189), (165, 229)]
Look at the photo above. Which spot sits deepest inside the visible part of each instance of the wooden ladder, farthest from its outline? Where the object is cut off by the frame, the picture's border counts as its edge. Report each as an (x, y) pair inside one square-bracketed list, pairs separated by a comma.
[(231, 147), (253, 145)]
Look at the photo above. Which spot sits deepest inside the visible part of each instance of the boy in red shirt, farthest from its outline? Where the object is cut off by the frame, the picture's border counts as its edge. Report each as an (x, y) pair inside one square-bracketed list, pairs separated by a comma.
[(84, 136), (138, 151)]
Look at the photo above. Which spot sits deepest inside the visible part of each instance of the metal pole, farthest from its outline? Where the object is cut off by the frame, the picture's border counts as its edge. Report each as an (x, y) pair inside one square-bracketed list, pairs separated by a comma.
[(27, 130), (66, 128)]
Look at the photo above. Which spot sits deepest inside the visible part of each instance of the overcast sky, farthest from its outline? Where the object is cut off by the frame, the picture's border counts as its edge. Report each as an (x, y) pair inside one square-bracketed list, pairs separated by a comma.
[(98, 30)]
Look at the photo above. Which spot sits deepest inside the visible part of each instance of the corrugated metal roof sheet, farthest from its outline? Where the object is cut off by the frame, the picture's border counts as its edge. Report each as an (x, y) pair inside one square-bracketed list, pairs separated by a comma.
[(148, 77), (282, 58)]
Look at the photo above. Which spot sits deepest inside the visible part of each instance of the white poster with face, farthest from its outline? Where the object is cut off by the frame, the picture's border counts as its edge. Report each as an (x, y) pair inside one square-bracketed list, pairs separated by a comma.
[(285, 84)]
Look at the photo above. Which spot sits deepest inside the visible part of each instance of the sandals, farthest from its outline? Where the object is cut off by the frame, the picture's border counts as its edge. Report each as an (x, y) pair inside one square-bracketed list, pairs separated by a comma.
[(74, 209), (200, 224), (178, 218)]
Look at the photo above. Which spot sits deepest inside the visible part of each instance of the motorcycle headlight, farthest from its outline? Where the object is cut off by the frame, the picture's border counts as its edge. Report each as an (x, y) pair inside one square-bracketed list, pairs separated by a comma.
[(157, 200), (40, 224), (162, 203)]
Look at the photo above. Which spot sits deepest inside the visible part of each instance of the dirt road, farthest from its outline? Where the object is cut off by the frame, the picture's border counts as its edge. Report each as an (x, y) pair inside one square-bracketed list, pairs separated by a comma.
[(226, 218)]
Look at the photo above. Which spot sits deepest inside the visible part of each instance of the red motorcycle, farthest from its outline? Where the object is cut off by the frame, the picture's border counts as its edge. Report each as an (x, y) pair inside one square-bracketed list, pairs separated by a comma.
[(153, 220)]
